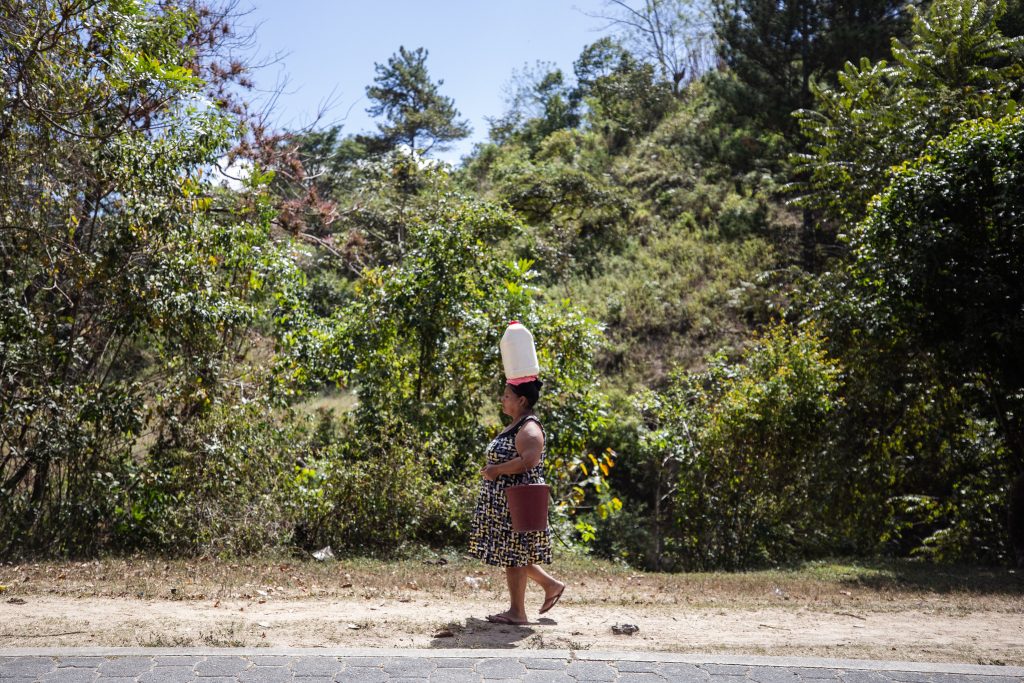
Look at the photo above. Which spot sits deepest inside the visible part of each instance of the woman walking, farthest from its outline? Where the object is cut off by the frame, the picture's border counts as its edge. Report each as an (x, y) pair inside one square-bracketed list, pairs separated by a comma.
[(515, 456)]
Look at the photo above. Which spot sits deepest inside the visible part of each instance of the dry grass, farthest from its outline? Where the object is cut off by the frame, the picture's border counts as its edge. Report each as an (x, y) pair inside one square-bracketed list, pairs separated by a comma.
[(340, 402), (874, 587)]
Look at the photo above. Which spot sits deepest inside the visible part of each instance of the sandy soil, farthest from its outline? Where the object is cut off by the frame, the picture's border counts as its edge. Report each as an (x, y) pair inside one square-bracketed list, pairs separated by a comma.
[(442, 607), (977, 637)]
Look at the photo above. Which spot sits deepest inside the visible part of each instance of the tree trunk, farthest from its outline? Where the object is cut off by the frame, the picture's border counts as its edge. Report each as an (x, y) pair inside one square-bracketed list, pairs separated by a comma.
[(808, 242), (1012, 428), (1015, 519)]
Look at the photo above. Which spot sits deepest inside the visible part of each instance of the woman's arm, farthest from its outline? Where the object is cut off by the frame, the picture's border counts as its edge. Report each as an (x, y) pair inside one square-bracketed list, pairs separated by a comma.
[(529, 445)]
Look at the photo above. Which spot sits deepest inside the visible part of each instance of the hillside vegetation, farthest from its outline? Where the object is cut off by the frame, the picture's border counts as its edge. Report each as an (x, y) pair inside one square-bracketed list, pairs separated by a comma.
[(774, 267)]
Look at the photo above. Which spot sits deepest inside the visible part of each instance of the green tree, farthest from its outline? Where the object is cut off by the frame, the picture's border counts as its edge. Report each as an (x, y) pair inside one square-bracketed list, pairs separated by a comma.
[(777, 49), (625, 99), (940, 257), (955, 66), (539, 102), (575, 212), (418, 344), (130, 287), (416, 113)]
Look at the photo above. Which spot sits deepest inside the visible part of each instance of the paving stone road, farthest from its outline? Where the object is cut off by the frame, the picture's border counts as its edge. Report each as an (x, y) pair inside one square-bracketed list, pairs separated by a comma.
[(164, 665)]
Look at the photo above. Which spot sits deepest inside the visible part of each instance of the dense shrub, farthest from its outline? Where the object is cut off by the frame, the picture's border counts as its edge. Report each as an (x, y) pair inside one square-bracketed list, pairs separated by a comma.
[(225, 489), (739, 453), (375, 493)]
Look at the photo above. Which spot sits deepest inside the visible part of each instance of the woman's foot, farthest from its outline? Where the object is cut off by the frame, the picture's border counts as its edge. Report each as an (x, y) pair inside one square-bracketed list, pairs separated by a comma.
[(551, 596), (509, 618)]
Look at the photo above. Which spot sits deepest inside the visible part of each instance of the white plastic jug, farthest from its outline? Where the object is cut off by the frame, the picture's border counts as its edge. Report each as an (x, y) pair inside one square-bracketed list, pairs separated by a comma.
[(518, 354)]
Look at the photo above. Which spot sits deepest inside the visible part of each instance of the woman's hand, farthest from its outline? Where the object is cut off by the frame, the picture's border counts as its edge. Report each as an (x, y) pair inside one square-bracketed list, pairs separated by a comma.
[(488, 473)]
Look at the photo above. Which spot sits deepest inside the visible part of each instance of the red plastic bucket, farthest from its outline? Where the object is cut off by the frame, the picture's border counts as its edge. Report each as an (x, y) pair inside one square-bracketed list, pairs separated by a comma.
[(528, 504)]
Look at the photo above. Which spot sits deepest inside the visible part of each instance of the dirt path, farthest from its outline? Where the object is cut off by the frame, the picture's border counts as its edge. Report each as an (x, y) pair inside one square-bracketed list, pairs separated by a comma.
[(410, 605), (980, 637)]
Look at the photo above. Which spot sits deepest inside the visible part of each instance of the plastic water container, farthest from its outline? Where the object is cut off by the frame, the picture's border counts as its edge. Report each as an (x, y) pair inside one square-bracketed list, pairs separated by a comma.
[(518, 354)]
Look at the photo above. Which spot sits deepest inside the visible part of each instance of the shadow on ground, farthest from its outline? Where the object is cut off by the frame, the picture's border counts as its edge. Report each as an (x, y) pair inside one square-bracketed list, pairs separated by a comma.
[(907, 576), (480, 633)]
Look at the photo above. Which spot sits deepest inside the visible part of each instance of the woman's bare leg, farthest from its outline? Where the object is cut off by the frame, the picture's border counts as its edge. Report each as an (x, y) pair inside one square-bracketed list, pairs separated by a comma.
[(550, 584), (517, 578)]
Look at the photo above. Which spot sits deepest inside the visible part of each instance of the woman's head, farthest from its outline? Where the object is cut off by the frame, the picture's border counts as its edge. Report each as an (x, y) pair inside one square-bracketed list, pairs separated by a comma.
[(518, 398)]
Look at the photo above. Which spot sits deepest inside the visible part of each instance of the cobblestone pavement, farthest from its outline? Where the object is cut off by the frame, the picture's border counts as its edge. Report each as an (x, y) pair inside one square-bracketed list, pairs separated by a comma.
[(160, 665)]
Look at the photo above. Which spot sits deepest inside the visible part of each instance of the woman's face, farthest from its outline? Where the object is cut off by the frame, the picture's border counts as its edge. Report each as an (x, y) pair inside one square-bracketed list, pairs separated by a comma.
[(511, 403)]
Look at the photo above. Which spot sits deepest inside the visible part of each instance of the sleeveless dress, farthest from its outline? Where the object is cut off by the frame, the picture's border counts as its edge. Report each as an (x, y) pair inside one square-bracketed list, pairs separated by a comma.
[(491, 538)]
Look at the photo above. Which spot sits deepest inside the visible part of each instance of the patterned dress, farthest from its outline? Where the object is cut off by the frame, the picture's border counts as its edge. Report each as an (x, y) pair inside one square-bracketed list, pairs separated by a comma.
[(492, 539)]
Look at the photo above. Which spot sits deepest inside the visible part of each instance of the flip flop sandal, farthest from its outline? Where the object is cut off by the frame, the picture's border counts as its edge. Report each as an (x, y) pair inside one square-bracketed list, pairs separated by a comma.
[(553, 600), (502, 619)]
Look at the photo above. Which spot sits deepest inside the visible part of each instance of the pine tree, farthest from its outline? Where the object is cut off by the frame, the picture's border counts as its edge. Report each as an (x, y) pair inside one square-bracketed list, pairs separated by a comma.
[(777, 47), (417, 114)]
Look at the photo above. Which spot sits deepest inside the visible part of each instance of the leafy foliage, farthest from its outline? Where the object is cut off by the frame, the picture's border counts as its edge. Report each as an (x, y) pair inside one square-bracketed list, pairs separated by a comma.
[(624, 97), (130, 288), (956, 66), (539, 103), (168, 345), (777, 49), (738, 453), (940, 255)]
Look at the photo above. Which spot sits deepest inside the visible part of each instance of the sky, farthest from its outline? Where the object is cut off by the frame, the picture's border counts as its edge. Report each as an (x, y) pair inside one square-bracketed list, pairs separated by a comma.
[(328, 49)]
